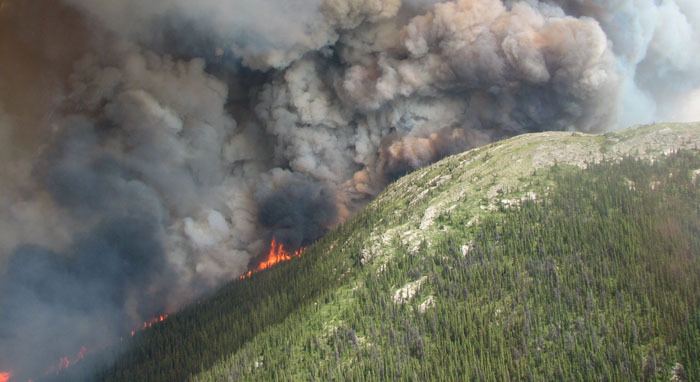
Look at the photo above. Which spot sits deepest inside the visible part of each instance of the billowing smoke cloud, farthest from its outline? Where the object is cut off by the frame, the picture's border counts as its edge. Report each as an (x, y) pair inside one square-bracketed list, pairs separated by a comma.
[(657, 47), (263, 33), (151, 150), (296, 209)]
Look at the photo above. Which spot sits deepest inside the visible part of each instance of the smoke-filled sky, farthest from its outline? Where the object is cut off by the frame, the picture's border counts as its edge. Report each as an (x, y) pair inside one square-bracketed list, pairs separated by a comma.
[(149, 150)]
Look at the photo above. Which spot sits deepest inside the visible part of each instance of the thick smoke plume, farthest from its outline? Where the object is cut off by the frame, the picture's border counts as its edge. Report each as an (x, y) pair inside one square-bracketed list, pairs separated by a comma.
[(151, 149)]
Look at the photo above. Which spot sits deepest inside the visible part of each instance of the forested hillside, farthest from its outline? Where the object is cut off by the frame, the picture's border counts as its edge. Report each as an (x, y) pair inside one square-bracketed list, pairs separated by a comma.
[(546, 257)]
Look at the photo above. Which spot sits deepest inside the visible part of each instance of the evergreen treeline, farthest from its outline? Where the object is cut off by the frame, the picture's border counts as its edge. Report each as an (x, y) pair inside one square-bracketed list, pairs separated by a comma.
[(597, 280)]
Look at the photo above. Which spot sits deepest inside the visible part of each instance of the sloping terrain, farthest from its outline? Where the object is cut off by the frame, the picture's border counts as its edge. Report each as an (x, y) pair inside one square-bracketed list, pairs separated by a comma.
[(552, 256)]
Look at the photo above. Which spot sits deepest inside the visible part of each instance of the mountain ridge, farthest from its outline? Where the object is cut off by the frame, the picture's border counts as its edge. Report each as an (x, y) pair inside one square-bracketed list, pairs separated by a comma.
[(439, 209)]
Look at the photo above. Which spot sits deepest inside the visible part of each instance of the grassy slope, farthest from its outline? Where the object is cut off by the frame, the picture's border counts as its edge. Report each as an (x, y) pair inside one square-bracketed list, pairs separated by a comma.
[(514, 307)]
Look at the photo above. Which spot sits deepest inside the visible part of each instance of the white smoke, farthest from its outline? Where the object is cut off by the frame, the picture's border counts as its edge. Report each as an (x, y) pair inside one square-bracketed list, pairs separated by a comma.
[(658, 51)]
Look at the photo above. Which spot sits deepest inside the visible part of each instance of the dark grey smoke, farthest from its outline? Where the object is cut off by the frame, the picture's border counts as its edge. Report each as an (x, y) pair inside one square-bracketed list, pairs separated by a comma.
[(296, 210), (149, 150), (52, 304), (55, 303)]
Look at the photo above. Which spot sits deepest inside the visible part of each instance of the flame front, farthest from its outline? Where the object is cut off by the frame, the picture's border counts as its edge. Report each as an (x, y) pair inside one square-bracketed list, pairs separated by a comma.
[(5, 376), (149, 323), (66, 362), (277, 254)]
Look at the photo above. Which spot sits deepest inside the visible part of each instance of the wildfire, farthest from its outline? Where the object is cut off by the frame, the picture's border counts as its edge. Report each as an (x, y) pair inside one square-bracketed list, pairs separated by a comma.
[(149, 323), (277, 254), (66, 362)]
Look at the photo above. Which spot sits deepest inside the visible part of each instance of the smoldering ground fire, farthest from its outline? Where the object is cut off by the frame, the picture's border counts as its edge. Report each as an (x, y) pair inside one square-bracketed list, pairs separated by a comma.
[(152, 150)]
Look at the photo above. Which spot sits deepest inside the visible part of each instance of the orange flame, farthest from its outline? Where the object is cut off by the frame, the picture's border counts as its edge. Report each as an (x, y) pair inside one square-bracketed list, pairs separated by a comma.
[(149, 323), (277, 254), (66, 362)]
